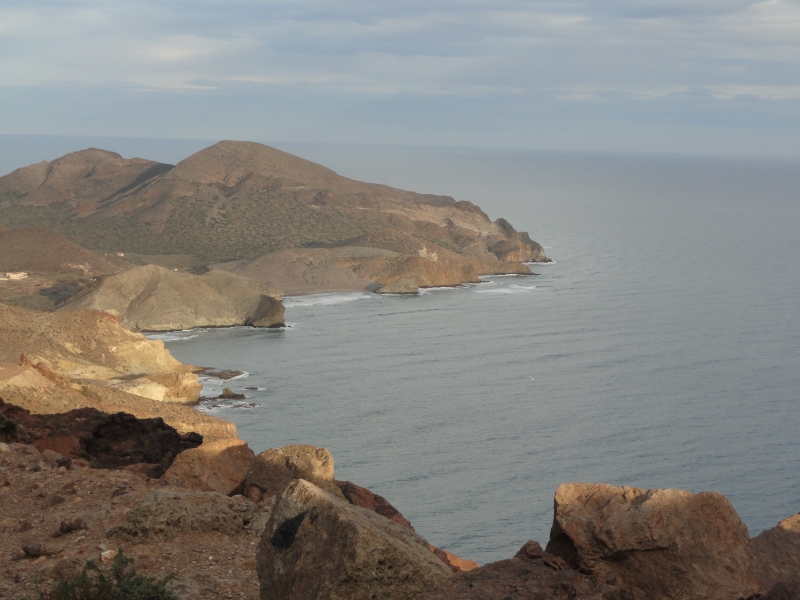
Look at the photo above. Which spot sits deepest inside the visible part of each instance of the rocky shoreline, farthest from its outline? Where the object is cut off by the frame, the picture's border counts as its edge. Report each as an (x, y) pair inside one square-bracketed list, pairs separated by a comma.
[(278, 525), (101, 450)]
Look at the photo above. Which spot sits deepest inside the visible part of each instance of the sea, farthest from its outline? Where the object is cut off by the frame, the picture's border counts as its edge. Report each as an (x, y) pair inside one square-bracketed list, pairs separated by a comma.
[(659, 349)]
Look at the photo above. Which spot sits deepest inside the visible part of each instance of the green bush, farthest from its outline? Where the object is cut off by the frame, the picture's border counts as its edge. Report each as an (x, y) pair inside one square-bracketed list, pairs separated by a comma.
[(121, 583)]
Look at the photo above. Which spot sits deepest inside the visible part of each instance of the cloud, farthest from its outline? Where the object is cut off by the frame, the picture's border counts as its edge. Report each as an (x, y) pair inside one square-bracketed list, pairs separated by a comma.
[(674, 55)]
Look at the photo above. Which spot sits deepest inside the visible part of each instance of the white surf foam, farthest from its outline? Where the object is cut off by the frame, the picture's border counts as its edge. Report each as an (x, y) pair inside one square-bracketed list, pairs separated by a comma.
[(438, 289), (511, 289), (174, 336), (331, 299)]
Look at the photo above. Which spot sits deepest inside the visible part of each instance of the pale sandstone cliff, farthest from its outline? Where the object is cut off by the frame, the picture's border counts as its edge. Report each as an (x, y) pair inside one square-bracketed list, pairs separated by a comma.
[(152, 298), (94, 347)]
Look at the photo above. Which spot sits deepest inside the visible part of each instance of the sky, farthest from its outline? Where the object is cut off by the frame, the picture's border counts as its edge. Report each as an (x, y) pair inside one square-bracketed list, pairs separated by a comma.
[(680, 76)]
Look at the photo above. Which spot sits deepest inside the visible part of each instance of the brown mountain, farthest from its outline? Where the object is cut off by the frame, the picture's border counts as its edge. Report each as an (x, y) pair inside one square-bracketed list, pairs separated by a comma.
[(240, 199)]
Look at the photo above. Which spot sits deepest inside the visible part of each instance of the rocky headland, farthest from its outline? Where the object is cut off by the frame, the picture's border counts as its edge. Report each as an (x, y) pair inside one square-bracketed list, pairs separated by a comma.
[(265, 214), (152, 298)]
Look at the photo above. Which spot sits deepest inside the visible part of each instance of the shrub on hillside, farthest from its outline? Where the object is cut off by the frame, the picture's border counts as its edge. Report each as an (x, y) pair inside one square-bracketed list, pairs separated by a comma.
[(121, 583)]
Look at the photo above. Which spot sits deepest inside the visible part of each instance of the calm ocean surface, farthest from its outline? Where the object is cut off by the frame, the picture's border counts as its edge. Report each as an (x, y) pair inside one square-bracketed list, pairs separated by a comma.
[(661, 349)]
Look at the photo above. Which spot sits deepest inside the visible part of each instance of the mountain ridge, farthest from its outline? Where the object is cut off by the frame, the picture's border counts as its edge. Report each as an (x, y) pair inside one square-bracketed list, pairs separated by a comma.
[(236, 200)]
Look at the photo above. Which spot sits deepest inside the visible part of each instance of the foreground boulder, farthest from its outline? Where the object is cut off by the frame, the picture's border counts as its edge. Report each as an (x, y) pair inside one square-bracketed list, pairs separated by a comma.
[(654, 543), (316, 546), (276, 468), (219, 466)]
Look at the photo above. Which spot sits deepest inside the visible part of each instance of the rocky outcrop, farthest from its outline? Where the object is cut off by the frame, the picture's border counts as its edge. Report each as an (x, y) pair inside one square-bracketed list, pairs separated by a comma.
[(654, 543), (777, 553), (274, 469), (80, 347), (268, 313), (316, 546), (152, 298), (107, 441), (517, 246), (219, 466)]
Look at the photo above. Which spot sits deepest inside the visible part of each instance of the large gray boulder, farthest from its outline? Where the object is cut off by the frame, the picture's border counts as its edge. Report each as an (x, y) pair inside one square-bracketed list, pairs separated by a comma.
[(654, 543), (318, 547), (152, 298)]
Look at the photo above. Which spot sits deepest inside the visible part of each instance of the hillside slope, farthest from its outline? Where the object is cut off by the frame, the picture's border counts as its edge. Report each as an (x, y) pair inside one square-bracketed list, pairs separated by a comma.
[(236, 200), (41, 250)]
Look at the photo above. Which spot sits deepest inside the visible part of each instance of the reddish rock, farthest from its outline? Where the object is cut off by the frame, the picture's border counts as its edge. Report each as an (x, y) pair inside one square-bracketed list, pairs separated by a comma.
[(654, 543), (219, 466), (455, 563), (65, 445), (777, 553), (361, 496), (254, 495)]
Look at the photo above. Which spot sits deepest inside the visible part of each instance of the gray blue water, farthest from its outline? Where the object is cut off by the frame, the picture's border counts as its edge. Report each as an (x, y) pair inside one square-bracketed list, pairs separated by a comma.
[(661, 349)]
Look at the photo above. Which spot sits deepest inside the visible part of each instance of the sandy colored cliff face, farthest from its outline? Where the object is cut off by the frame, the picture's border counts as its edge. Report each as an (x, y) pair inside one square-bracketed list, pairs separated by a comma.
[(91, 347), (152, 298), (29, 388)]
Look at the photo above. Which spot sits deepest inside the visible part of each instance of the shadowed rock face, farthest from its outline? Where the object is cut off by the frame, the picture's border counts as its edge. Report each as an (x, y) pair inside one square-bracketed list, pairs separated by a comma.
[(153, 298), (531, 575), (654, 543), (318, 547), (108, 441)]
